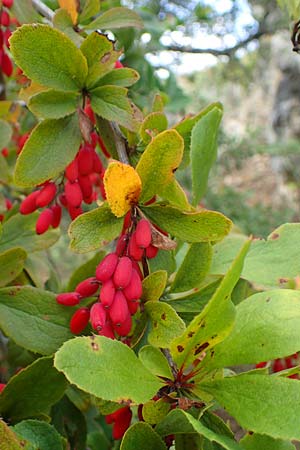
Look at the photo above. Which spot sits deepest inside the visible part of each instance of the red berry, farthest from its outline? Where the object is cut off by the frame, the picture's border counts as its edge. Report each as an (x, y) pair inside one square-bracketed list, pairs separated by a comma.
[(135, 265), (90, 113), (107, 331), (97, 164), (4, 152), (107, 293), (85, 186), (28, 205), (8, 3), (98, 316), (74, 211), (124, 328), (151, 251), (143, 233), (6, 65), (7, 35), (68, 298), (121, 244), (4, 18), (107, 267), (71, 171), (261, 365), (122, 422), (119, 311), (2, 386), (56, 209), (278, 366), (135, 251), (63, 200), (127, 221), (22, 140), (103, 148), (85, 160), (73, 194), (133, 306), (44, 221), (8, 204), (123, 272), (134, 289), (46, 195), (118, 65), (87, 287), (79, 320)]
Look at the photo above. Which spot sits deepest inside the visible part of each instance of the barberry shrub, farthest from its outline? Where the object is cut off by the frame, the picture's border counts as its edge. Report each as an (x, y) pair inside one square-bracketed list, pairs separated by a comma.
[(140, 350)]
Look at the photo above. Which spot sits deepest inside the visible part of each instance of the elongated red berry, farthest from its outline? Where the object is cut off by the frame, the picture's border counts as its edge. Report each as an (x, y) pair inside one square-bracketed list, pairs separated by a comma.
[(133, 290), (4, 18), (73, 194), (107, 293), (143, 233), (56, 209), (107, 331), (7, 35), (28, 205), (74, 211), (6, 65), (71, 171), (135, 251), (85, 186), (119, 311), (97, 164), (2, 386), (107, 267), (44, 221), (133, 306), (123, 272), (122, 424), (46, 195), (8, 3), (68, 298), (118, 65), (103, 147), (85, 160), (136, 266), (87, 287), (5, 152), (121, 244), (124, 328), (98, 316), (79, 320), (151, 251)]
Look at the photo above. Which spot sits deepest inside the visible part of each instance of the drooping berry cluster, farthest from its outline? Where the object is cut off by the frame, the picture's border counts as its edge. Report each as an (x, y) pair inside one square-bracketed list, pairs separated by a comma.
[(119, 277), (5, 33), (277, 365)]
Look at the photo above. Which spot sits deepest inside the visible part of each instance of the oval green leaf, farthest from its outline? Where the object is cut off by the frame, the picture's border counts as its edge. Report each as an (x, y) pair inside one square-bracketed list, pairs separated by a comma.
[(11, 263), (39, 434), (53, 104), (154, 360), (142, 436), (154, 285), (5, 133), (118, 17)]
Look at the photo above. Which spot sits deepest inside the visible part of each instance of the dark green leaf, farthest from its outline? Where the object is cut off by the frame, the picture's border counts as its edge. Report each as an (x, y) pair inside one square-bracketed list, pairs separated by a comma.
[(11, 263), (141, 436), (39, 434), (48, 57), (87, 270), (50, 148), (164, 260), (116, 18), (94, 229), (53, 104), (32, 391), (33, 319), (107, 369)]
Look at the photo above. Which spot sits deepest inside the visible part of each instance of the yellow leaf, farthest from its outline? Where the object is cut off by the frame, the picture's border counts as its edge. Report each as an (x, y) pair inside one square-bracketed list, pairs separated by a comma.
[(72, 7), (122, 186)]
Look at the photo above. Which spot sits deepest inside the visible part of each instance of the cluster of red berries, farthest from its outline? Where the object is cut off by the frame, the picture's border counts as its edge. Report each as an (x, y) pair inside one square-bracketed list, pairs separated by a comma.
[(121, 420), (282, 364), (5, 33), (119, 278), (82, 182)]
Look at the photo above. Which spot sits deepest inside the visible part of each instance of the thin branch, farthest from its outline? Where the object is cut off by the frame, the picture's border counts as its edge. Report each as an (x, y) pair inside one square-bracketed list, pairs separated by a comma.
[(43, 9), (120, 143)]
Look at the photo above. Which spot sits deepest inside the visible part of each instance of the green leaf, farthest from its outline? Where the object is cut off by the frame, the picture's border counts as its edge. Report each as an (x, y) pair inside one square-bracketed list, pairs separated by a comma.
[(194, 267), (175, 195), (154, 360), (155, 410), (111, 103), (179, 421), (11, 263), (204, 150), (107, 369), (94, 229), (39, 434), (48, 57), (164, 260), (5, 133), (158, 163), (33, 319), (166, 325), (63, 22), (141, 436), (255, 441), (50, 148), (260, 403), (186, 126), (90, 9), (19, 231), (53, 104), (4, 170), (189, 442), (154, 285), (267, 326), (24, 11), (9, 440), (107, 135), (201, 226), (32, 391), (116, 18), (119, 77), (153, 124), (84, 271), (214, 322)]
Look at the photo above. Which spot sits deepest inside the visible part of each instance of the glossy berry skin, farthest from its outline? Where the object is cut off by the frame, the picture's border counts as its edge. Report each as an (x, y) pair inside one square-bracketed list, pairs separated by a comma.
[(107, 267), (124, 328), (121, 420), (79, 320), (143, 234), (44, 221), (71, 171), (73, 194), (107, 293), (8, 3), (68, 298), (28, 205), (56, 209), (98, 316), (85, 160), (135, 251), (123, 272), (151, 251), (119, 309), (87, 287), (46, 195), (134, 289), (107, 331)]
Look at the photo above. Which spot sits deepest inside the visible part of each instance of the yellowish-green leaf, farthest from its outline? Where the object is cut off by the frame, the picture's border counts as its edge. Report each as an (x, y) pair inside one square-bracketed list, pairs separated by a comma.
[(122, 187), (154, 411), (8, 439), (158, 163), (154, 360), (53, 104), (5, 175), (119, 77), (70, 6), (256, 441), (175, 195), (118, 17), (90, 9), (154, 285), (49, 57), (50, 148), (5, 133), (153, 124), (142, 436)]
